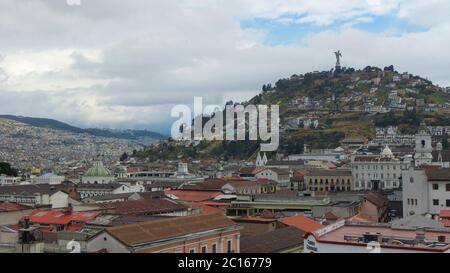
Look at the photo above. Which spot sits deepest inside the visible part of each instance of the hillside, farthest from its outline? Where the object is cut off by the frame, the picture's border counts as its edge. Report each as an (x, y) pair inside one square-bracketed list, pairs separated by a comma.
[(25, 146), (57, 125), (322, 108)]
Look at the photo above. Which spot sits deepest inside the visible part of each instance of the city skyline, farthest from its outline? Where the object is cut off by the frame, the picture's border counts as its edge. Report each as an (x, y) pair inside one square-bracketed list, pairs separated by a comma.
[(106, 63)]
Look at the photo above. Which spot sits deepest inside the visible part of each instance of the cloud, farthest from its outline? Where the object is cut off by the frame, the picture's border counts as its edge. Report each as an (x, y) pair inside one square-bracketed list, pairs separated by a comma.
[(124, 64)]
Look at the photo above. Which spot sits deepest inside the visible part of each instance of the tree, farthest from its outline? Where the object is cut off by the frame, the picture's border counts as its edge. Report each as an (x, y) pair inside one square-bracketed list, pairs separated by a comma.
[(6, 169), (445, 143), (124, 157)]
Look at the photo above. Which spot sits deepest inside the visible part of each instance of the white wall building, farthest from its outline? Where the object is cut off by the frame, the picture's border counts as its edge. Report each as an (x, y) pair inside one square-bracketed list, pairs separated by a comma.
[(35, 195), (423, 149), (93, 190), (49, 178), (9, 180), (378, 172), (426, 191), (281, 176)]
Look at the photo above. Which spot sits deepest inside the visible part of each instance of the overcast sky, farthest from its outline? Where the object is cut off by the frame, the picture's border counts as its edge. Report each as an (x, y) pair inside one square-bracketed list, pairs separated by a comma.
[(124, 64)]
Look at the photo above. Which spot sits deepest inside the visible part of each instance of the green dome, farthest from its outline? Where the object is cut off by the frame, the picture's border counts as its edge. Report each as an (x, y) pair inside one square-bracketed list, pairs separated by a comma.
[(98, 170)]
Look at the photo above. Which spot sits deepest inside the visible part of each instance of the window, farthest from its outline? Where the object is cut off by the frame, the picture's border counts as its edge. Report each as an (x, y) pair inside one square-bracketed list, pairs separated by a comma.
[(192, 250), (447, 203), (229, 246), (447, 187), (411, 179), (214, 248), (204, 249), (435, 187), (435, 202)]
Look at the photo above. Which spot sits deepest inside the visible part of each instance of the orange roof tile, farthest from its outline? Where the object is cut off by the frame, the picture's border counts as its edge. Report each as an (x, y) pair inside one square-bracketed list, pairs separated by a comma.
[(302, 222), (445, 214), (9, 207)]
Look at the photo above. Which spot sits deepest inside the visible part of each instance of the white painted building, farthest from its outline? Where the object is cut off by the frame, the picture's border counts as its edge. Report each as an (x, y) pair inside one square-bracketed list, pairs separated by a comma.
[(93, 190), (281, 176), (9, 180), (426, 191), (35, 195), (423, 149), (48, 178), (378, 172)]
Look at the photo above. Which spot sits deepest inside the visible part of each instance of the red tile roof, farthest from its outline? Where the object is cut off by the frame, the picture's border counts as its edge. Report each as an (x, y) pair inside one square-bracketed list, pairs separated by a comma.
[(302, 222), (445, 214), (193, 196), (9, 207), (442, 174), (232, 179), (247, 170), (446, 223), (243, 184), (377, 199), (58, 217), (205, 209), (151, 231), (208, 185)]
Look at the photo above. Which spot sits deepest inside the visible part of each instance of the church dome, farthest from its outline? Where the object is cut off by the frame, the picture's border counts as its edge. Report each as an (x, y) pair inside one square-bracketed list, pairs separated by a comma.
[(387, 152), (98, 170)]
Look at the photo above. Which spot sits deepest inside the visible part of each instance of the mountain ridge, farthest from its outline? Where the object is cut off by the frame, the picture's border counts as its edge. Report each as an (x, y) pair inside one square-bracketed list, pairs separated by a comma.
[(127, 134)]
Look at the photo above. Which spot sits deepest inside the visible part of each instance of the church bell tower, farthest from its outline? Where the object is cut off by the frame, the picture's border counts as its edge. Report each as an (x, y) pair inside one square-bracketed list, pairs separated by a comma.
[(423, 150)]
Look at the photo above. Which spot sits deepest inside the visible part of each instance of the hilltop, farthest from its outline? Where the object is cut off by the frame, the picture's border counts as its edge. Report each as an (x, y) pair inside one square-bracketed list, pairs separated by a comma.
[(322, 108)]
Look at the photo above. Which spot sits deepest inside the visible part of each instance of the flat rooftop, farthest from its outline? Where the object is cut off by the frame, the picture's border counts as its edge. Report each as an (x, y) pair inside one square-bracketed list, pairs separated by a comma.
[(352, 233)]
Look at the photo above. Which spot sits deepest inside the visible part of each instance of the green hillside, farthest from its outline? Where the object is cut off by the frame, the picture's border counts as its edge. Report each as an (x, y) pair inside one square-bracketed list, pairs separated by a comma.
[(348, 104)]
